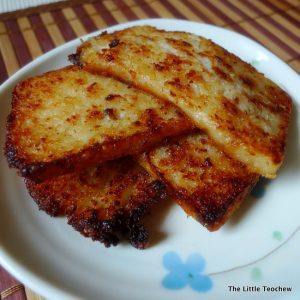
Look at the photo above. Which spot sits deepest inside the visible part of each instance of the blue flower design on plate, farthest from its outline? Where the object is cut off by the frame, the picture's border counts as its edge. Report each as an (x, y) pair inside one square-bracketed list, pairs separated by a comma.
[(188, 273), (254, 62)]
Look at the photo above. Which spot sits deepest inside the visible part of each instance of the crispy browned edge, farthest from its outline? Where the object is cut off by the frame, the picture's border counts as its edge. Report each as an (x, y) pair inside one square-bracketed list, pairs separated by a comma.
[(124, 222), (276, 151), (96, 153), (107, 225), (213, 219), (210, 216)]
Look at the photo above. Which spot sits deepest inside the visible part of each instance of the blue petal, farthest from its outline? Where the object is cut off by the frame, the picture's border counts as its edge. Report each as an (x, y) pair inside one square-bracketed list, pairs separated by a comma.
[(172, 261), (201, 283), (195, 263), (175, 281)]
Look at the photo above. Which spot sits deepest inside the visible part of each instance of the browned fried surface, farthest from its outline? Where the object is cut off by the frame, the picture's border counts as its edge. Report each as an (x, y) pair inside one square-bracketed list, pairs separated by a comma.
[(240, 109), (108, 200), (204, 181), (69, 119), (105, 202)]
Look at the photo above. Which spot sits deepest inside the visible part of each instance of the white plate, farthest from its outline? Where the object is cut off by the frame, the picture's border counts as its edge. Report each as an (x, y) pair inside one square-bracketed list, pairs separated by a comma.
[(258, 247)]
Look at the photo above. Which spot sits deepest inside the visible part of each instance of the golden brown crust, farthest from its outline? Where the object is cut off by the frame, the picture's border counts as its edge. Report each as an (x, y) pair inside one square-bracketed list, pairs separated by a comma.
[(67, 120), (104, 203), (204, 181), (244, 112)]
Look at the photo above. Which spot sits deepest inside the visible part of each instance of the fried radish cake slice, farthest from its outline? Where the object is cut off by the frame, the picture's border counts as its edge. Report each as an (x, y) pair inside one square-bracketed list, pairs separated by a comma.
[(69, 119), (205, 182), (240, 109), (105, 203)]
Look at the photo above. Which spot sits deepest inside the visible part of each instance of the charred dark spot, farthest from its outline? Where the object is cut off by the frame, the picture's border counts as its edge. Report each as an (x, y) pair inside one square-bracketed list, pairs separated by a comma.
[(186, 44), (107, 226), (11, 118), (95, 114), (52, 207), (174, 59), (203, 141), (72, 119), (110, 231), (30, 169), (247, 81), (157, 189), (138, 236), (110, 112), (230, 107), (103, 33), (192, 75), (124, 222), (151, 120), (83, 178), (92, 87), (89, 225), (114, 43), (178, 43), (159, 67), (175, 82), (75, 59), (109, 57), (111, 97), (11, 155), (210, 217), (236, 183), (222, 62), (207, 162), (222, 74), (45, 202)]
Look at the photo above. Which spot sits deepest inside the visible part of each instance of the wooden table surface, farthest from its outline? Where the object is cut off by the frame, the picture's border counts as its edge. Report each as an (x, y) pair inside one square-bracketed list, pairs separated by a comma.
[(27, 34)]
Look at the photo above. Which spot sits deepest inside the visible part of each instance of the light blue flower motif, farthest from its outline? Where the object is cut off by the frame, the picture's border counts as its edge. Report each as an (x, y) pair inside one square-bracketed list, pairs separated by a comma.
[(183, 274), (254, 62)]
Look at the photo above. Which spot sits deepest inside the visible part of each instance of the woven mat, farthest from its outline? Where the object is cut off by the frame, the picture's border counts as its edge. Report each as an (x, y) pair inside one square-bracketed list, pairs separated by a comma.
[(12, 5), (26, 34)]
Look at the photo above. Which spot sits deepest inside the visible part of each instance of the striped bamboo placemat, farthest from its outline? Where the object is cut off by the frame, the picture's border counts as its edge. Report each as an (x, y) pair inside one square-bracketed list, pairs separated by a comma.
[(25, 35)]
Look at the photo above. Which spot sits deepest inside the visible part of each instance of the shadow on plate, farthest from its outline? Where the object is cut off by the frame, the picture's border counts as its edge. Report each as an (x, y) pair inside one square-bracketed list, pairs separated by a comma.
[(257, 194), (291, 164), (154, 220)]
